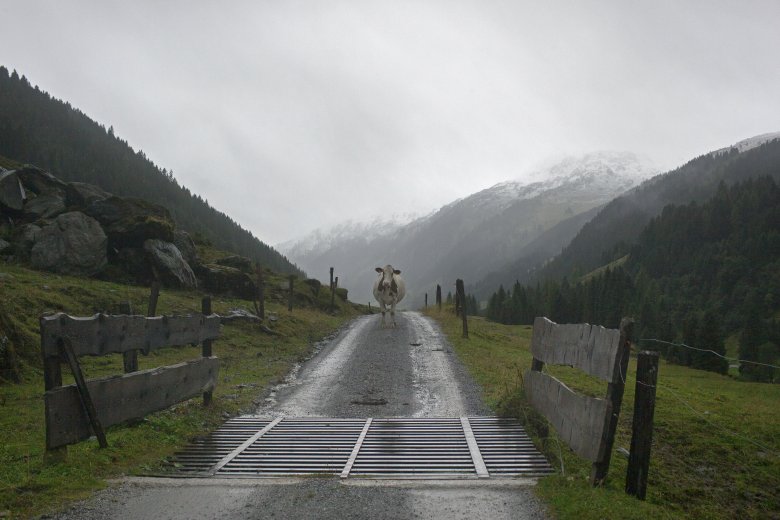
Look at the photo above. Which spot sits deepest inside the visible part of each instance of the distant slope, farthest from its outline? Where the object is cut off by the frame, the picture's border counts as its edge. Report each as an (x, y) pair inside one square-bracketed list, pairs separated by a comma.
[(607, 235), (697, 273), (536, 253), (474, 236), (38, 129)]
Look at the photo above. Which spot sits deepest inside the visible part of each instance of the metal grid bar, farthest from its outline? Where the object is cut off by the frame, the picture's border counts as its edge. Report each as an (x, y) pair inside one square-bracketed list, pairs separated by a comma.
[(244, 445), (476, 456), (356, 449)]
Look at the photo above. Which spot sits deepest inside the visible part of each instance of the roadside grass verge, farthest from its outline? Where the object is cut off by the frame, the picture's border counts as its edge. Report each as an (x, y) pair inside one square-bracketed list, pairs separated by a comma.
[(250, 361), (716, 440)]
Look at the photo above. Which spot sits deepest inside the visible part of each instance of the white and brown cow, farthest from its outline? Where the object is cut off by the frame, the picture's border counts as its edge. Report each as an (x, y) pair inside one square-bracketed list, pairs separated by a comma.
[(389, 289)]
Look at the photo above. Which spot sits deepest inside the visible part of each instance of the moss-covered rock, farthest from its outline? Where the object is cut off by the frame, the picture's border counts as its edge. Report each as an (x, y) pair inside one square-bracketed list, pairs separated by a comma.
[(131, 222)]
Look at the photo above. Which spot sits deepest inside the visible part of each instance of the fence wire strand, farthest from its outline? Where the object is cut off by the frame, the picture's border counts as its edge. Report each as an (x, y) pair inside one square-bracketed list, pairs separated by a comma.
[(710, 351)]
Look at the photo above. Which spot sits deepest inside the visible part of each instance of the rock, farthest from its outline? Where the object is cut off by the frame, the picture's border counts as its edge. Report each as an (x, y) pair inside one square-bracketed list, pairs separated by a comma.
[(5, 247), (241, 263), (24, 240), (40, 182), (341, 293), (131, 222), (171, 266), (81, 194), (221, 279), (314, 285), (134, 261), (184, 242), (238, 315), (12, 195), (46, 205), (73, 244)]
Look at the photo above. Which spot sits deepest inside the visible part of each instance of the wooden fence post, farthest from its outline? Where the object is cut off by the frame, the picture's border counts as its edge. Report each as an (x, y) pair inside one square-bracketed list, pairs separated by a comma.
[(290, 301), (206, 345), (426, 300), (615, 396), (129, 358), (438, 296), (332, 292), (154, 295), (642, 427), (461, 292)]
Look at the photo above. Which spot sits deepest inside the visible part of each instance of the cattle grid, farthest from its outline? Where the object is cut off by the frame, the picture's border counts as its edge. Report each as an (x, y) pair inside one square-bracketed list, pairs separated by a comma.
[(401, 448)]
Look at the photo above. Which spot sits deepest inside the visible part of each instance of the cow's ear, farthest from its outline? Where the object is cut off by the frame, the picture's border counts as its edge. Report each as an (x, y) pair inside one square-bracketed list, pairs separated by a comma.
[(378, 269), (397, 271)]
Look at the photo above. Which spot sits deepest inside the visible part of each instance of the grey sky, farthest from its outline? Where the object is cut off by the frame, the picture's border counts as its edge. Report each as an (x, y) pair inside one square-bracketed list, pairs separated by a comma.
[(291, 115)]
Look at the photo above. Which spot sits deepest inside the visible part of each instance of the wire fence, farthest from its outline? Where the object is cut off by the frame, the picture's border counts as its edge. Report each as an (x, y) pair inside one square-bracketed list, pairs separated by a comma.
[(699, 414), (710, 351)]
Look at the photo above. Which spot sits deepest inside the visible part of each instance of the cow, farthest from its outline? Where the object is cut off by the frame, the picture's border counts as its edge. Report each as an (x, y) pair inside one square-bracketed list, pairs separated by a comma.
[(389, 289)]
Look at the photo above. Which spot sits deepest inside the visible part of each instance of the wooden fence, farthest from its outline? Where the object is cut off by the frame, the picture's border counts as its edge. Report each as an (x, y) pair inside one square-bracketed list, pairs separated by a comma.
[(73, 412), (586, 424)]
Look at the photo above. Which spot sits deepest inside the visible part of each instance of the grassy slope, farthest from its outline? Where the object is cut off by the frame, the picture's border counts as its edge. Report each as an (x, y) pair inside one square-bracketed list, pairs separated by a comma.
[(716, 442), (250, 361)]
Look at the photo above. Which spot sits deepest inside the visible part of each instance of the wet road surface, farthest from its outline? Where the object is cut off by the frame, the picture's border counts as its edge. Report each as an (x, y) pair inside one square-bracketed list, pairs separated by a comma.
[(366, 371)]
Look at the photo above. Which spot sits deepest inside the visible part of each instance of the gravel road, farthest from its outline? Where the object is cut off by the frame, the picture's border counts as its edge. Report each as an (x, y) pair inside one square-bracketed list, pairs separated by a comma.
[(366, 371)]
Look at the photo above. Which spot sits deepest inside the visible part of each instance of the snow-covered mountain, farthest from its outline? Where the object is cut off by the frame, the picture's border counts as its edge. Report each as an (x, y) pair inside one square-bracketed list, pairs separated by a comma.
[(472, 236), (749, 143), (323, 239)]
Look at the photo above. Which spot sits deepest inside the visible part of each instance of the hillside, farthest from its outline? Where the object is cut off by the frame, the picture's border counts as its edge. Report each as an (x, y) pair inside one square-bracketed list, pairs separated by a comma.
[(474, 236), (697, 273), (39, 129), (606, 236)]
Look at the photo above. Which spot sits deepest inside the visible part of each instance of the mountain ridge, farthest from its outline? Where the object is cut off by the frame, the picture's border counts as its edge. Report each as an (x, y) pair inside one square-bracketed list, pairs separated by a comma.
[(451, 242)]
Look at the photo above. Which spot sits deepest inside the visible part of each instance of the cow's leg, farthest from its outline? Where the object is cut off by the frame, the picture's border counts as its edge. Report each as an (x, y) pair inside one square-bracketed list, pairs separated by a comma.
[(384, 310), (392, 312)]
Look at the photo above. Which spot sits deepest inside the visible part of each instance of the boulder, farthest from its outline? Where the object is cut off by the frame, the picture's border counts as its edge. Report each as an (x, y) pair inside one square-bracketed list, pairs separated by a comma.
[(39, 181), (341, 293), (184, 242), (81, 194), (131, 222), (241, 263), (221, 279), (12, 194), (134, 262), (24, 239), (314, 285), (5, 247), (170, 265), (72, 244), (46, 205)]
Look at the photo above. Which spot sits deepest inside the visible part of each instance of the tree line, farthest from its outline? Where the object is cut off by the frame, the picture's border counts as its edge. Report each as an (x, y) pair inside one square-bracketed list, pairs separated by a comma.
[(697, 274), (39, 129)]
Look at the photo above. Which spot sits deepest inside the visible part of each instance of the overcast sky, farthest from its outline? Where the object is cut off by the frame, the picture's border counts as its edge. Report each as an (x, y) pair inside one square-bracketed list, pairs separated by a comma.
[(292, 115)]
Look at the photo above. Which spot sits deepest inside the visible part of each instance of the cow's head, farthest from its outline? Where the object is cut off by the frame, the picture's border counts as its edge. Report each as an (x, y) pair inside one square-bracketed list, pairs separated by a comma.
[(387, 279)]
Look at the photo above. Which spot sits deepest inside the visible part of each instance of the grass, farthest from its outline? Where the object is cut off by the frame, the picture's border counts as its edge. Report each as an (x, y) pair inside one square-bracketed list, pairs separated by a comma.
[(250, 361), (716, 440)]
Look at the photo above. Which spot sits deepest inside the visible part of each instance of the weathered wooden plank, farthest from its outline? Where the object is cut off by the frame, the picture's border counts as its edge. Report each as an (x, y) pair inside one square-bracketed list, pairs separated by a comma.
[(123, 398), (85, 398), (106, 334), (591, 348), (578, 419)]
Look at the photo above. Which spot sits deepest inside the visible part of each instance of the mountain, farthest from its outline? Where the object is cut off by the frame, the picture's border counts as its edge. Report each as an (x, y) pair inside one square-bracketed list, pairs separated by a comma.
[(39, 129), (476, 235), (609, 234), (696, 273)]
